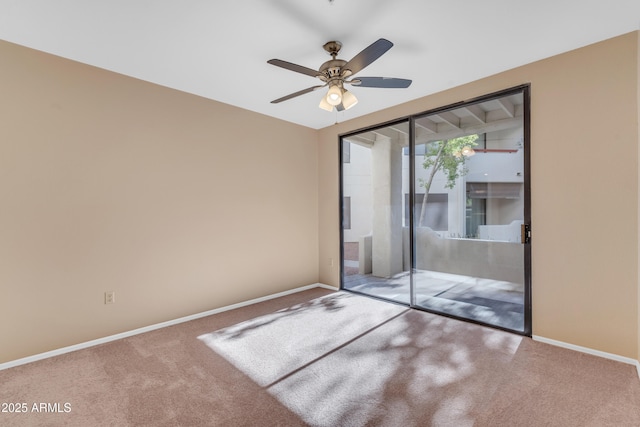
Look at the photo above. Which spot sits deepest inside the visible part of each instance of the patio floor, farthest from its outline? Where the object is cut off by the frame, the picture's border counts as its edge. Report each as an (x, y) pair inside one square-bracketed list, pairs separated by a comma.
[(489, 301)]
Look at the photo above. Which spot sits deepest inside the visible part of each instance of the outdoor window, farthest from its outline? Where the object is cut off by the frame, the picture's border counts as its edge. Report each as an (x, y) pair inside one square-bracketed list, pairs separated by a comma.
[(346, 213), (346, 151)]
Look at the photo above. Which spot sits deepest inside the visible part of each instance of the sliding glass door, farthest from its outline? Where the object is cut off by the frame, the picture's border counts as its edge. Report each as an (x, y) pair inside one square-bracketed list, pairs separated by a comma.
[(436, 211), (470, 211), (375, 181)]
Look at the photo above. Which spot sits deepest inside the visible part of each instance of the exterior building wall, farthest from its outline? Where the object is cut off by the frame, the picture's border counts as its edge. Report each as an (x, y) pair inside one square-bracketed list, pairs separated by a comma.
[(357, 186), (505, 167)]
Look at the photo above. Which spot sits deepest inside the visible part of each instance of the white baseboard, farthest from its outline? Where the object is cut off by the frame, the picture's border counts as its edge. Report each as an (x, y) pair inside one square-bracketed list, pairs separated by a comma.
[(149, 328), (591, 351), (331, 288)]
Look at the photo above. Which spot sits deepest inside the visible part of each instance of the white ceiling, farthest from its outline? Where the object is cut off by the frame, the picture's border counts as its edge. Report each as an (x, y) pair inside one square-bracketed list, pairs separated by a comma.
[(219, 49)]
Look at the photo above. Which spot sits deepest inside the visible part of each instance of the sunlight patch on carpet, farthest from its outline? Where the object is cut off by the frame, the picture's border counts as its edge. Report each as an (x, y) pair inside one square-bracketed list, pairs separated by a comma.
[(268, 348), (345, 359)]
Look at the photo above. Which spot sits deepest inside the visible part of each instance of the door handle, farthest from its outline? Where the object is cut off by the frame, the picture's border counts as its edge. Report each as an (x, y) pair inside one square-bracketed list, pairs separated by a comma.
[(525, 233)]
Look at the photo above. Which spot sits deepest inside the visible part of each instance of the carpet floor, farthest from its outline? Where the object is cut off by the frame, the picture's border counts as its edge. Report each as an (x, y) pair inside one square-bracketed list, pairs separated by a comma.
[(322, 358)]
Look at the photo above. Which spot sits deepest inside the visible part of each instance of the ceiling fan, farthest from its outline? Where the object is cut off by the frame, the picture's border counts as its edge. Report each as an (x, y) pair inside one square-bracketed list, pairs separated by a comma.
[(336, 73)]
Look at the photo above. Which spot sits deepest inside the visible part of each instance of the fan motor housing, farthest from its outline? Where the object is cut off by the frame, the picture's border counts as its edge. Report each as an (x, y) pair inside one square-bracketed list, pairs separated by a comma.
[(332, 68)]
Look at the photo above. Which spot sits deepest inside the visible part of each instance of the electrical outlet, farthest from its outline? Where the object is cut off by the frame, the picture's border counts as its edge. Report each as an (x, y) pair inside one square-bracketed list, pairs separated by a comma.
[(109, 297)]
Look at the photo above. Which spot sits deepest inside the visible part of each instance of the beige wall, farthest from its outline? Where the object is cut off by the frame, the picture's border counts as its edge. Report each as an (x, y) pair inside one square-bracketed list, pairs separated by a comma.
[(638, 119), (584, 169), (177, 203)]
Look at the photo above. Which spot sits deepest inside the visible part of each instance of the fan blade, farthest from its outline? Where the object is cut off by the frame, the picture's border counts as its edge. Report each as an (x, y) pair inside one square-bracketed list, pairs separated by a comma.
[(294, 67), (384, 82), (300, 92), (368, 55)]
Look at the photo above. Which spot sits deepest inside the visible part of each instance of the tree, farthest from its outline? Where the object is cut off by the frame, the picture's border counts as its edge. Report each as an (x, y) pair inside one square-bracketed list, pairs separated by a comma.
[(449, 156)]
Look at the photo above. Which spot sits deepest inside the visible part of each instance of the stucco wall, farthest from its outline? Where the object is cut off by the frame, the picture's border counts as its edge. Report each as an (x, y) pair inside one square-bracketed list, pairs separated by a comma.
[(584, 171)]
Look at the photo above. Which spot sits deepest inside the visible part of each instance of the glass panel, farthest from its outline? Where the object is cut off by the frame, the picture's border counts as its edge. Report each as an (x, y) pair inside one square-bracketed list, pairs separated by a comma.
[(376, 183), (469, 208)]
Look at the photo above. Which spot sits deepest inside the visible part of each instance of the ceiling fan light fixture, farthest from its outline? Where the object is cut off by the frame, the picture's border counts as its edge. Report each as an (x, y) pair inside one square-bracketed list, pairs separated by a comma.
[(348, 99), (334, 95), (325, 105)]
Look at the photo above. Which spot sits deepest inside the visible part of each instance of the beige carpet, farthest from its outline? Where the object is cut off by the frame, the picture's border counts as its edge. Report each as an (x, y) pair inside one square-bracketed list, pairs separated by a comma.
[(324, 358)]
